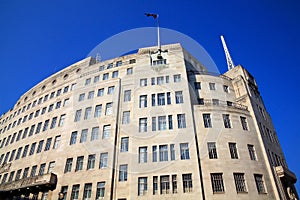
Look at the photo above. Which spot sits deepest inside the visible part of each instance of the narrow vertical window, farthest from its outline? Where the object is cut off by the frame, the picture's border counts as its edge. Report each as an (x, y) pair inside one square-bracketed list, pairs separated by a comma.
[(98, 110), (127, 95), (244, 123), (83, 137), (233, 150), (217, 182), (252, 153), (187, 183), (184, 151), (164, 184), (108, 109), (56, 142), (239, 181), (259, 183), (77, 115), (124, 144), (143, 101), (103, 160), (106, 131), (100, 190), (87, 113), (75, 192), (162, 123), (73, 137), (79, 163), (62, 120), (142, 154), (142, 186), (163, 153), (123, 172), (91, 161), (181, 121), (207, 120), (154, 153), (95, 133), (212, 150), (226, 121), (126, 117), (87, 192), (172, 151), (178, 97), (177, 78), (143, 125), (170, 120)]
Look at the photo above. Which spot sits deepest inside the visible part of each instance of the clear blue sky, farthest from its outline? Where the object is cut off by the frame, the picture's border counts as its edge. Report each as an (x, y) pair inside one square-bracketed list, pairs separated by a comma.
[(38, 38)]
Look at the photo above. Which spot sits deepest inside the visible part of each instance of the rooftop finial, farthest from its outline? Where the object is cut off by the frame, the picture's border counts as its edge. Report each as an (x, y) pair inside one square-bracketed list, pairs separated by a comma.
[(230, 63)]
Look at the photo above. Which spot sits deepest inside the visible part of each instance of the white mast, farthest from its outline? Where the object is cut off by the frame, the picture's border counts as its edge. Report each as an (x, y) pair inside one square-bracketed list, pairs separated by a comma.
[(230, 63)]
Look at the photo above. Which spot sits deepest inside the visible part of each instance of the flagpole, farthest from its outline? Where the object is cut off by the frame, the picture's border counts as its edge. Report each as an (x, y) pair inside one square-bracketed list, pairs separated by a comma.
[(158, 35)]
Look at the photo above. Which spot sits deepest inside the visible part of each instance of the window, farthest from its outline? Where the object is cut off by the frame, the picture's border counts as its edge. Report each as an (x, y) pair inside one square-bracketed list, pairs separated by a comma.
[(129, 71), (123, 173), (244, 123), (159, 62), (73, 137), (18, 175), (12, 155), (18, 154), (106, 131), (132, 61), (50, 108), (108, 109), (163, 152), (33, 171), (177, 78), (79, 163), (105, 76), (42, 169), (142, 186), (25, 151), (66, 89), (187, 183), (172, 151), (96, 79), (153, 81), (103, 160), (40, 146), (75, 192), (4, 178), (197, 85), (87, 192), (51, 96), (61, 120), (178, 97), (115, 74), (162, 123), (164, 185), (77, 115), (226, 121), (142, 154), (124, 144), (110, 65), (155, 185), (184, 151), (160, 80), (170, 120), (212, 86), (126, 117), (174, 183), (68, 166), (239, 181), (212, 150), (31, 152), (64, 190), (53, 123), (31, 130), (98, 110), (154, 153), (95, 133), (161, 99), (38, 128), (143, 101), (143, 125), (87, 113), (43, 112), (153, 99), (87, 81), (127, 95), (111, 90), (252, 153), (58, 104), (225, 88), (100, 92), (91, 95), (217, 182), (233, 150), (56, 142), (259, 183), (207, 120), (83, 136), (25, 132), (48, 144), (181, 121), (143, 82), (11, 176), (25, 173), (101, 68), (100, 190), (91, 161), (81, 97), (46, 123), (168, 98)]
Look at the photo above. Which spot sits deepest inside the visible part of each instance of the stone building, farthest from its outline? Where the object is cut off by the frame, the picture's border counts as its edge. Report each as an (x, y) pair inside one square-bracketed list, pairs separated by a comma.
[(149, 125)]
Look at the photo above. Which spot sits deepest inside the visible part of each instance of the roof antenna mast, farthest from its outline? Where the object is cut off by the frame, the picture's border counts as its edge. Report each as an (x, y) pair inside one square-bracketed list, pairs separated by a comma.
[(230, 63)]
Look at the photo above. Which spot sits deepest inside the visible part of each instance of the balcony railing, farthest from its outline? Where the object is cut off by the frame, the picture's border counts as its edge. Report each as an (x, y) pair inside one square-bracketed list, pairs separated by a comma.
[(229, 104)]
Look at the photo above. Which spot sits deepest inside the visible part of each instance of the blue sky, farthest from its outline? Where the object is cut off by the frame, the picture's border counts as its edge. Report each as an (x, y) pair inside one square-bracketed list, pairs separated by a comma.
[(38, 38)]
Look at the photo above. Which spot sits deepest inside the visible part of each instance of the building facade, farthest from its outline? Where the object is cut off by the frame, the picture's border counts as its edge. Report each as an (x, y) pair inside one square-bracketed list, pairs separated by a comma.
[(150, 125)]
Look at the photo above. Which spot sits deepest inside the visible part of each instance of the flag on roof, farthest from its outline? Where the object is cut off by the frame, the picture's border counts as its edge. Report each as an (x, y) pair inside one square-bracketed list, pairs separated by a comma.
[(151, 15)]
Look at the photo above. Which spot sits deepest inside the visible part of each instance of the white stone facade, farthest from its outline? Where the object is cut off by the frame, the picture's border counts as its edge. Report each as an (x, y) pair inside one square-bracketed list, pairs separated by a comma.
[(138, 127)]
